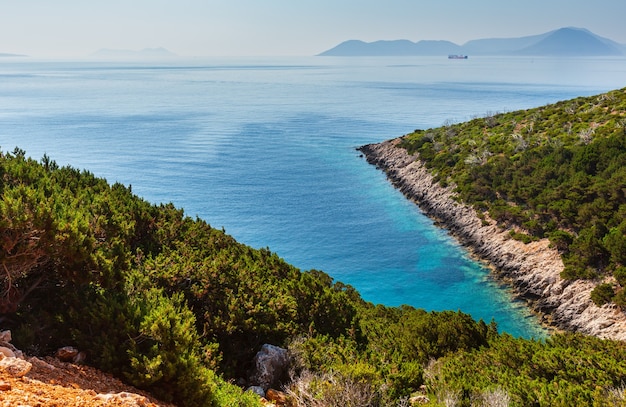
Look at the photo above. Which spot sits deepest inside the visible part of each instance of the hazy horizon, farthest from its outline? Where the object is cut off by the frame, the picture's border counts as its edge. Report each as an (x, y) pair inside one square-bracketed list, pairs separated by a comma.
[(69, 28)]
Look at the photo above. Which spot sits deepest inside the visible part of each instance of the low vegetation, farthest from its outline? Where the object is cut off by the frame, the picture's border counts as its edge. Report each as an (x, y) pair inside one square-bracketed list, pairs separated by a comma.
[(179, 308), (556, 172)]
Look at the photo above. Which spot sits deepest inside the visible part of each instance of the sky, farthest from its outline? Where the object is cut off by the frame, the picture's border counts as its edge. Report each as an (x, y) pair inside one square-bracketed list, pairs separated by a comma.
[(76, 28)]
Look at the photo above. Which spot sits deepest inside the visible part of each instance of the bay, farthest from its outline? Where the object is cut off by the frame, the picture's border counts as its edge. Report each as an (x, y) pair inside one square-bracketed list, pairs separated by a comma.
[(265, 148)]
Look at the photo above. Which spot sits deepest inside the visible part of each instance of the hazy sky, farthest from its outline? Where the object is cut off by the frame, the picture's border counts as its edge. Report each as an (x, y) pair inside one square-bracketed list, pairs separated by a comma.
[(74, 28)]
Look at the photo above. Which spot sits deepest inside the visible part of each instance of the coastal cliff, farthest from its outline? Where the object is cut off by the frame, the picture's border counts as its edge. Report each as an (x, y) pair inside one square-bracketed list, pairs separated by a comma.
[(532, 269)]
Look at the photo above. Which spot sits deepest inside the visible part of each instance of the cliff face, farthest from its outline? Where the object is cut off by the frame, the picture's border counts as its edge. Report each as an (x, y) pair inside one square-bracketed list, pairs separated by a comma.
[(532, 269)]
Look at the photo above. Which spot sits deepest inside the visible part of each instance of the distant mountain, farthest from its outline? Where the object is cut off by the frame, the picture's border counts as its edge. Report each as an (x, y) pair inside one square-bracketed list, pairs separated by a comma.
[(392, 48), (491, 46), (132, 54), (573, 42), (562, 42)]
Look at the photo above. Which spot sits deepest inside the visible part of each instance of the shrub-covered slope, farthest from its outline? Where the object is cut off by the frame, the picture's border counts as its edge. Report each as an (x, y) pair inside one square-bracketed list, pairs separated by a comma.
[(178, 308), (557, 171), (156, 297)]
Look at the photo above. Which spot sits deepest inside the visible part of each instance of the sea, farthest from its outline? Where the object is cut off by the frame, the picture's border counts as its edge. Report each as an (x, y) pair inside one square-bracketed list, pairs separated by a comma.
[(265, 148)]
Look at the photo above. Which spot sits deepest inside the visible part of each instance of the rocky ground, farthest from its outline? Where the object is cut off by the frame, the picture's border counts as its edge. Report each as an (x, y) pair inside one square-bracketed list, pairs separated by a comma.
[(55, 381), (63, 380), (533, 270), (50, 382)]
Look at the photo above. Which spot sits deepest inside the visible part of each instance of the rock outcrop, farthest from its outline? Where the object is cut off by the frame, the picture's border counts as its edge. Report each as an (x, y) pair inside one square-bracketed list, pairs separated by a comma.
[(70, 354), (15, 367), (271, 365), (533, 269)]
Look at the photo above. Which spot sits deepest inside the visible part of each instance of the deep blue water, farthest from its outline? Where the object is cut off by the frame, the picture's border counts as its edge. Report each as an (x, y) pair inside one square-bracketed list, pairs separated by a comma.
[(265, 148)]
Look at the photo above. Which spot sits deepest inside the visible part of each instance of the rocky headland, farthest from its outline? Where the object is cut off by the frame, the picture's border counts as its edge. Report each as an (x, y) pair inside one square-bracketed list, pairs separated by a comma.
[(533, 269)]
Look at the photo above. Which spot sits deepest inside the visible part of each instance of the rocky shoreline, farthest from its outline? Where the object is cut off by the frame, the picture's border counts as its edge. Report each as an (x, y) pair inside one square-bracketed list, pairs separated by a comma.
[(533, 269)]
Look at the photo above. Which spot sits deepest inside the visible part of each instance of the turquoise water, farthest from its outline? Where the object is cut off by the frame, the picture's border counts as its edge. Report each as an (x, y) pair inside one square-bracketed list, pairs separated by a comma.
[(265, 148)]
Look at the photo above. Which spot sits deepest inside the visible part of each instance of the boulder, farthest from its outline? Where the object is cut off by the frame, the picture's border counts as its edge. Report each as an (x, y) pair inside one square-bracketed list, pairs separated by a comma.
[(124, 399), (270, 367), (66, 354), (258, 390), (79, 358), (6, 348), (5, 336), (6, 352), (279, 398), (15, 367), (39, 363)]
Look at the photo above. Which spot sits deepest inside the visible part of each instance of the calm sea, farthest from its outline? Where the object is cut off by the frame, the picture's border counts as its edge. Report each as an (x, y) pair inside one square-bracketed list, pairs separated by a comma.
[(265, 148)]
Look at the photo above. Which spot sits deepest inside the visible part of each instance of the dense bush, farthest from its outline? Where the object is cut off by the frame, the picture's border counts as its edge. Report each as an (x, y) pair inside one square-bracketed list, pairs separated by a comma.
[(389, 352), (565, 370), (156, 297), (602, 294)]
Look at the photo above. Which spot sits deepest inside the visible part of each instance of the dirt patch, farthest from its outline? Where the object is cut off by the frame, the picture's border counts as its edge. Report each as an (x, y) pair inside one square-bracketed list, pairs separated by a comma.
[(54, 383)]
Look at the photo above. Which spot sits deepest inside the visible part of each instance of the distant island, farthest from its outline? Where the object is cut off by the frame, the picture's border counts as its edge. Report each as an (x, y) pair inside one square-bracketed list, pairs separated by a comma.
[(568, 41), (7, 55)]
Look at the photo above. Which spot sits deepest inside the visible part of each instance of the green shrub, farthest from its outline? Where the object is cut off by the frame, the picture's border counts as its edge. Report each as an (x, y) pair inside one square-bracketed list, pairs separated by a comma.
[(229, 395), (522, 237), (561, 240), (620, 275), (575, 268), (565, 370), (602, 294)]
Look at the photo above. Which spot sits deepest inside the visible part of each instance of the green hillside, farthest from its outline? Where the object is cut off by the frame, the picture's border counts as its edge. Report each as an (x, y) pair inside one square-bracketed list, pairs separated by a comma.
[(179, 308), (557, 171)]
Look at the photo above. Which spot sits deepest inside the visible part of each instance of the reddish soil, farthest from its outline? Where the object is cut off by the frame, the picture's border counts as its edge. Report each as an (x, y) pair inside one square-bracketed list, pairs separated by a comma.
[(54, 383)]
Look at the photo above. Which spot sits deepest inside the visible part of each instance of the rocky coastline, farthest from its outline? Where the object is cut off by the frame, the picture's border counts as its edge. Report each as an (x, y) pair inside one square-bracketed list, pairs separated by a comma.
[(533, 269)]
